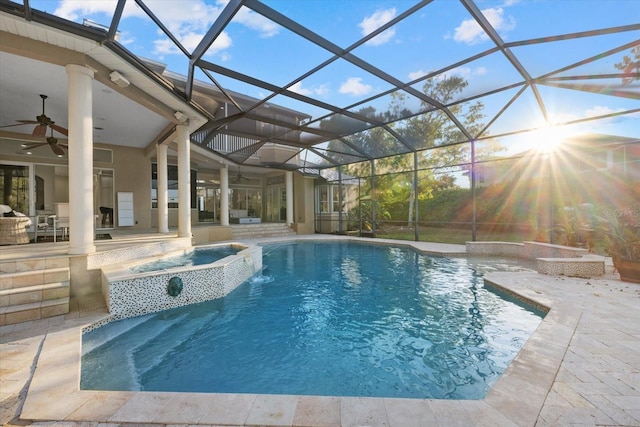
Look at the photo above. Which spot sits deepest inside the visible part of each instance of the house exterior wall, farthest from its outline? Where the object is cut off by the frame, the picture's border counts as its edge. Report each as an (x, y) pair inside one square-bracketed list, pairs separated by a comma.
[(303, 204), (132, 173)]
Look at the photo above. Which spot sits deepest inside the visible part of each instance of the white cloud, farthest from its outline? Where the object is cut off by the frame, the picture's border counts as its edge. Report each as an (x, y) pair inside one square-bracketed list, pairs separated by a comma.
[(321, 90), (375, 21), (265, 27), (464, 72), (125, 38), (74, 10), (470, 32), (480, 71), (594, 111), (417, 74), (297, 88), (190, 41), (562, 118), (599, 110), (164, 47), (187, 20), (354, 86)]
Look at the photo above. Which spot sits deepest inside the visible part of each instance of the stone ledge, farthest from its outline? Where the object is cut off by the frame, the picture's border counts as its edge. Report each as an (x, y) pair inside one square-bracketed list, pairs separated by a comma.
[(552, 260), (533, 250), (510, 249), (571, 267)]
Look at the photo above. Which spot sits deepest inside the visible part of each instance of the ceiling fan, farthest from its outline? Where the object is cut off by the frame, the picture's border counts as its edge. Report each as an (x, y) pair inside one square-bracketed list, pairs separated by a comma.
[(42, 122), (52, 141), (239, 177)]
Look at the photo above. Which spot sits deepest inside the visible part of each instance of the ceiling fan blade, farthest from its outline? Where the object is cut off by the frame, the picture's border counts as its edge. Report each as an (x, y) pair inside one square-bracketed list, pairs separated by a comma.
[(15, 124), (34, 145), (39, 131), (59, 129), (56, 149), (28, 122)]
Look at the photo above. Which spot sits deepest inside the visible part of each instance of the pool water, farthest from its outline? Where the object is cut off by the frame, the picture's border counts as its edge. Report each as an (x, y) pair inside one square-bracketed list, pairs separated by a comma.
[(335, 319), (198, 256)]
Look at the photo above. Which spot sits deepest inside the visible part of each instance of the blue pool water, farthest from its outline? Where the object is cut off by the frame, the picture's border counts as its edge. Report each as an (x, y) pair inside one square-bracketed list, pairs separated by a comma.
[(337, 319), (198, 256)]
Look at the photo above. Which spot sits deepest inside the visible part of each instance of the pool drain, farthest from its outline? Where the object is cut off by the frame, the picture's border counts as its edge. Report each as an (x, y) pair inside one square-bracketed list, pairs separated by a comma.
[(174, 287)]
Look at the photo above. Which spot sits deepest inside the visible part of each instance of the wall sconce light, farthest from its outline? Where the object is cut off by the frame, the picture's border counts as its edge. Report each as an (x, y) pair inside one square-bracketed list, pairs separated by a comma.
[(119, 79), (180, 116)]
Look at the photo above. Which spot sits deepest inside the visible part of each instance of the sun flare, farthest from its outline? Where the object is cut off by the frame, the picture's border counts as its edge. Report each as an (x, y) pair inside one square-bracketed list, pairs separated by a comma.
[(548, 139)]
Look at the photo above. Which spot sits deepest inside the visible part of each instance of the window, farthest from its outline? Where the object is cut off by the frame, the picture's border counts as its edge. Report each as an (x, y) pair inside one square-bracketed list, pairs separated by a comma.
[(323, 198), (172, 178), (14, 181), (329, 199)]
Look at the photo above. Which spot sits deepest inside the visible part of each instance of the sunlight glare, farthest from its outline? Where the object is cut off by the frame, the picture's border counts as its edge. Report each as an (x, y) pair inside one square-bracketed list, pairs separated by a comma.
[(548, 139)]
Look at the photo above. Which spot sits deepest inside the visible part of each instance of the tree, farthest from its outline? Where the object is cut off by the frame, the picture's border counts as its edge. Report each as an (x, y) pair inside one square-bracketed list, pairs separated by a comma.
[(628, 64), (423, 128)]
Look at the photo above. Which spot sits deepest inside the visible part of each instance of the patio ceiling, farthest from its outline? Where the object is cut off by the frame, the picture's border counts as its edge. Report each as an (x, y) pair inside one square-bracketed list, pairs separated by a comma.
[(287, 74)]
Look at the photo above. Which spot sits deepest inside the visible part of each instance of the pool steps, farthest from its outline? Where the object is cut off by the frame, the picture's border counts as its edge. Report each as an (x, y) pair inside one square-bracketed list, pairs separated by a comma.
[(33, 288), (261, 230), (155, 349)]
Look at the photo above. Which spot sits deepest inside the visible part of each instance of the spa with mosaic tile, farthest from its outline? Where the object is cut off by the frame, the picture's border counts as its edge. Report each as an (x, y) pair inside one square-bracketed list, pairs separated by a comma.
[(129, 294)]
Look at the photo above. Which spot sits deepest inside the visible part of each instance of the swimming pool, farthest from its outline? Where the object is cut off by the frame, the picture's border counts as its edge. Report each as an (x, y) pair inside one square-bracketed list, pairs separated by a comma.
[(340, 319)]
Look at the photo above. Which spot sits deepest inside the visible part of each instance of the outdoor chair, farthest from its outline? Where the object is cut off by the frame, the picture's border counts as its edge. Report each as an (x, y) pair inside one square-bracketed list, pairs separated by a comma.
[(42, 225), (61, 220)]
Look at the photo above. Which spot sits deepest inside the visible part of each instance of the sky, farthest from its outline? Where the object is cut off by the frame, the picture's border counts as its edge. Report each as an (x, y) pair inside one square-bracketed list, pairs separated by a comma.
[(434, 37)]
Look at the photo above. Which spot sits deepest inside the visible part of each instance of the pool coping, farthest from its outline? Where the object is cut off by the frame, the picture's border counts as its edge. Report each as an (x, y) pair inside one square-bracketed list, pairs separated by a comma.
[(516, 399)]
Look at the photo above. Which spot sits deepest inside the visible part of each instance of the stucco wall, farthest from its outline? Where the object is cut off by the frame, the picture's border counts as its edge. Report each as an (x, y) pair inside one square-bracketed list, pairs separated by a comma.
[(303, 204), (132, 173)]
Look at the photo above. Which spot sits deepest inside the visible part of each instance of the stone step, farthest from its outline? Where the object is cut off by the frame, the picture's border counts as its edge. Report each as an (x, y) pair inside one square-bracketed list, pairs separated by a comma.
[(33, 311), (34, 294), (33, 264), (251, 235), (22, 279), (261, 230)]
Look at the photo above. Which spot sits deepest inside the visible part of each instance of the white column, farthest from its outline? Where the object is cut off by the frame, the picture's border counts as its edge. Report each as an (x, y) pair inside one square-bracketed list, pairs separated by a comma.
[(80, 141), (162, 181), (184, 182), (289, 190), (224, 195)]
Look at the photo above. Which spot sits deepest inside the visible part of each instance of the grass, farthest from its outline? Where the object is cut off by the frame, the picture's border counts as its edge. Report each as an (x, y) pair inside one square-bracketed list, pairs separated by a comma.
[(453, 235)]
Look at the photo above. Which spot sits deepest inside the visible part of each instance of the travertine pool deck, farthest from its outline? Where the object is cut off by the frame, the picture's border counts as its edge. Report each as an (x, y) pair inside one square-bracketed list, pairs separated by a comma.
[(581, 367)]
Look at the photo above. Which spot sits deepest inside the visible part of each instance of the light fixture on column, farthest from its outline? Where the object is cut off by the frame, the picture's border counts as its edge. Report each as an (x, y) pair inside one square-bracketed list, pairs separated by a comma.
[(180, 116), (119, 79)]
